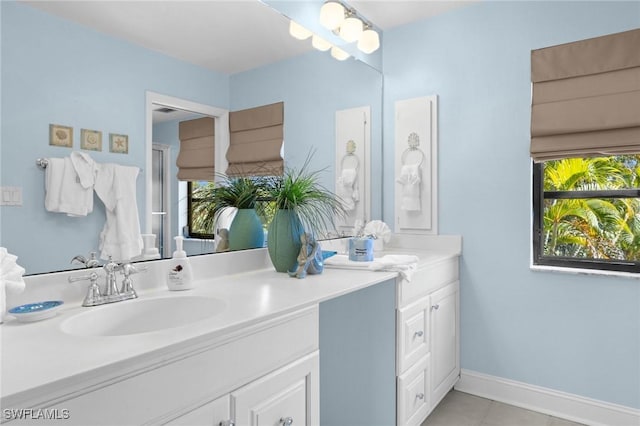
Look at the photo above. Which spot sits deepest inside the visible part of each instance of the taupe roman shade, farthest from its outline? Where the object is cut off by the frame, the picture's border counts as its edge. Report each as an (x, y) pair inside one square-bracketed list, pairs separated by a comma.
[(196, 160), (586, 98), (256, 137)]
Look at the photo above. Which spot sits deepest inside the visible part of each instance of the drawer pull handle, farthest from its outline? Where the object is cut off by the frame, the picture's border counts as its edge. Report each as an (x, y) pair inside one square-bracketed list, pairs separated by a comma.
[(420, 395), (227, 423), (288, 421), (435, 307), (419, 333)]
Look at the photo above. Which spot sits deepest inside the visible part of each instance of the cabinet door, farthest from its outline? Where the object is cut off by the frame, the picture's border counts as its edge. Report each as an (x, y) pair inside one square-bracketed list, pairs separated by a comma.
[(445, 362), (209, 414), (288, 396)]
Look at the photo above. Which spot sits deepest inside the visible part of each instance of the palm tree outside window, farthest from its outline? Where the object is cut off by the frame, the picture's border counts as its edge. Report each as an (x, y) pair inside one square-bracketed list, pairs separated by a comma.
[(587, 213)]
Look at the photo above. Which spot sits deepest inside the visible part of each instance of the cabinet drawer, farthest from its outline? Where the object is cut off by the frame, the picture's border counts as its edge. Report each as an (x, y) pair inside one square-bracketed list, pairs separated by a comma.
[(413, 394), (414, 333), (427, 279), (211, 413)]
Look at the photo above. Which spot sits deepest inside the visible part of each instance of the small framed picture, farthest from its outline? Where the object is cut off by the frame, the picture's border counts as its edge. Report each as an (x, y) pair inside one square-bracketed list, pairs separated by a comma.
[(60, 135), (91, 140), (118, 143)]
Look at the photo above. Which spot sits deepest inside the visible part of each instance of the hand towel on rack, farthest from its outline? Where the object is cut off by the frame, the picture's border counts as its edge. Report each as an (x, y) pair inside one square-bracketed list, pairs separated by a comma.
[(346, 188), (410, 180), (116, 187), (53, 183), (64, 192)]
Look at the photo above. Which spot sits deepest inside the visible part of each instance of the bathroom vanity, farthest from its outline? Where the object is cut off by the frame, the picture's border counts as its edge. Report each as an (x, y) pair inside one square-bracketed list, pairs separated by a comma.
[(369, 343)]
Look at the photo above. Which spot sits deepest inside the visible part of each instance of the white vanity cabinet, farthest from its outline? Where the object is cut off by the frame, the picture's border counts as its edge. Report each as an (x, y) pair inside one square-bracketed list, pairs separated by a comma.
[(428, 341), (249, 376)]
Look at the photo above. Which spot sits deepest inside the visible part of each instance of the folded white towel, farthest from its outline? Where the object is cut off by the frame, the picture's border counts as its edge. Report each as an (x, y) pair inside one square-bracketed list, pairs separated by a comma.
[(342, 261), (404, 264), (65, 192), (410, 181), (10, 278), (116, 186), (346, 188)]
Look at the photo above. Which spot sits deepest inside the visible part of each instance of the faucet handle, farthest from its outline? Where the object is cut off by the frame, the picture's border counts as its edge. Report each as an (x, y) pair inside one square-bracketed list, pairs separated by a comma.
[(127, 285), (93, 296), (130, 269)]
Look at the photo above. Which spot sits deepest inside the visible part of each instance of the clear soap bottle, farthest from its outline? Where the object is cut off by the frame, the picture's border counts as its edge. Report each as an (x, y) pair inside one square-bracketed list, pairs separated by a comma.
[(180, 276)]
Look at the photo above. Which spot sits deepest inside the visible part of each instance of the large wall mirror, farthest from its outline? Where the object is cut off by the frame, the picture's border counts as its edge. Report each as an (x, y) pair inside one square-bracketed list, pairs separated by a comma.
[(56, 71)]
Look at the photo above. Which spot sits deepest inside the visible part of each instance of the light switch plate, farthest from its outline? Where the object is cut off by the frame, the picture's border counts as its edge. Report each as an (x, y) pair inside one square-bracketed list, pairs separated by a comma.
[(10, 196)]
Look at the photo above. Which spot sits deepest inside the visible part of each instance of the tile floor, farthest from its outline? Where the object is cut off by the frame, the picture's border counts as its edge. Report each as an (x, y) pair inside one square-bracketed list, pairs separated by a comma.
[(462, 409)]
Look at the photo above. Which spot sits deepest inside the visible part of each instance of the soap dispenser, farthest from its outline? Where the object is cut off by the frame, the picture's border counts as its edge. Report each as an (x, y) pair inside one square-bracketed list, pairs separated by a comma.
[(180, 275)]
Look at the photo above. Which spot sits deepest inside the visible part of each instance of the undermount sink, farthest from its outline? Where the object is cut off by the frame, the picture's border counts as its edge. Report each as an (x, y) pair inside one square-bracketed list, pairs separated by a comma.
[(142, 316)]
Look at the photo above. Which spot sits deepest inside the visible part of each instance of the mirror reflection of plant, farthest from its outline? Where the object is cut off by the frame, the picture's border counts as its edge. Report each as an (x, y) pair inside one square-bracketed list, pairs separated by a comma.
[(215, 197)]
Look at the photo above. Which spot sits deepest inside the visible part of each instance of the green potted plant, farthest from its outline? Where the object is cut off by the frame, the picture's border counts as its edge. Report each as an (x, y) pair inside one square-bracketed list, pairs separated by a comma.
[(242, 194), (302, 205)]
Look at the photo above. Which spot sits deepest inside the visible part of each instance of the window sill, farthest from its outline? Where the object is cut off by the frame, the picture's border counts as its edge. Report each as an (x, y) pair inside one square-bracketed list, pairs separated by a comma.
[(578, 271)]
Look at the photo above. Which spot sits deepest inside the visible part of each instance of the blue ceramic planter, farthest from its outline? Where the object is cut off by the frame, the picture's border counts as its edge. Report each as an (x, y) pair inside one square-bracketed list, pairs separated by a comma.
[(283, 242)]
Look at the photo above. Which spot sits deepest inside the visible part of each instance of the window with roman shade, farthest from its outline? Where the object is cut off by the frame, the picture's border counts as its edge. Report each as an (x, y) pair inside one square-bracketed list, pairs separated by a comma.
[(586, 98), (196, 159), (256, 138), (585, 141)]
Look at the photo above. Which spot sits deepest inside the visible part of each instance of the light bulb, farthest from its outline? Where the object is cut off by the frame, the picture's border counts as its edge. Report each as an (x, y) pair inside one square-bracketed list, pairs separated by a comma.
[(298, 31), (351, 29), (339, 54), (369, 41), (320, 43), (331, 15)]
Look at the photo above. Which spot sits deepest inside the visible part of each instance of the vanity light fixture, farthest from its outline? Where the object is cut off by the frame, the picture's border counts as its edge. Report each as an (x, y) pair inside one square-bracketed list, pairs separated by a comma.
[(351, 29), (332, 15), (339, 54), (320, 43), (369, 41), (298, 31)]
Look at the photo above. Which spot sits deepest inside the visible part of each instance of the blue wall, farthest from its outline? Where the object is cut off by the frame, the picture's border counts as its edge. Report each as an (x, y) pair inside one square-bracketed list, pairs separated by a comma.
[(54, 71), (573, 333)]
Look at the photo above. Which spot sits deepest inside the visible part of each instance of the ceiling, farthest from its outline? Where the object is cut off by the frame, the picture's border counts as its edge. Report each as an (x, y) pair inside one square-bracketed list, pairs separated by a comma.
[(224, 36)]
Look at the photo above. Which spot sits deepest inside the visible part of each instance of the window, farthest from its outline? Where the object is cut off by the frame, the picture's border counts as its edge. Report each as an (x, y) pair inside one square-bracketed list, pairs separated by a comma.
[(586, 213), (199, 217)]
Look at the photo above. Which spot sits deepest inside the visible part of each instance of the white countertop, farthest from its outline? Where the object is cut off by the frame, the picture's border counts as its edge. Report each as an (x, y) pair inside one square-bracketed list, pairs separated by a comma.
[(40, 356)]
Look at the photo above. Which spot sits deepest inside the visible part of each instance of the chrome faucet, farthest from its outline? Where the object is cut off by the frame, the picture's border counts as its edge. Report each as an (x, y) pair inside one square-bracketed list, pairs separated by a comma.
[(95, 296)]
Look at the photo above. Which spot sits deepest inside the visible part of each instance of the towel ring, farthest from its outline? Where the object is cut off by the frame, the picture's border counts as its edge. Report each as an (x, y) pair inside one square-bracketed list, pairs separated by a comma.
[(406, 152), (350, 155)]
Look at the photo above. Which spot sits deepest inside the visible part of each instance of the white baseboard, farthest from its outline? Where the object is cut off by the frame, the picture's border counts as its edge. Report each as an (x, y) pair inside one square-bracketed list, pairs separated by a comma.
[(555, 403)]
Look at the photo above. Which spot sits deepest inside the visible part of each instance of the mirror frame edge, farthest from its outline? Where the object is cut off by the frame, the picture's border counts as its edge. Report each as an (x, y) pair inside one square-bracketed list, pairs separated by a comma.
[(221, 123)]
